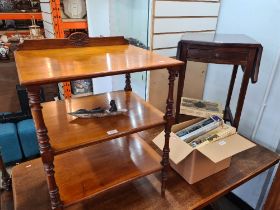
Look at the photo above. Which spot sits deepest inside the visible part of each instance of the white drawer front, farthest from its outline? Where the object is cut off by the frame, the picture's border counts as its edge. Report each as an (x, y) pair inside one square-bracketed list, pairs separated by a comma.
[(170, 40), (166, 40), (167, 25), (167, 52), (182, 8)]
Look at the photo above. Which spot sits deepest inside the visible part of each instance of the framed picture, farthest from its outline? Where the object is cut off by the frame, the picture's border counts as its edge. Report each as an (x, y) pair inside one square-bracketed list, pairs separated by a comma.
[(82, 87)]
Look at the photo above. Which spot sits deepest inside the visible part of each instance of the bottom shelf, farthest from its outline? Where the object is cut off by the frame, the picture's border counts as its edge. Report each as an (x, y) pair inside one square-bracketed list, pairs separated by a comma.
[(84, 173)]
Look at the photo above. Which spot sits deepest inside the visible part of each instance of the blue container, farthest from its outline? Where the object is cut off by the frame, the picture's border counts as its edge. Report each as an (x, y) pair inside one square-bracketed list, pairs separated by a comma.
[(28, 138), (9, 143)]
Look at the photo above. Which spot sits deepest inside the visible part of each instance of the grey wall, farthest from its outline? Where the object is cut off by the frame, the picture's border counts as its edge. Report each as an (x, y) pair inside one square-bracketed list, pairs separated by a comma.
[(261, 116)]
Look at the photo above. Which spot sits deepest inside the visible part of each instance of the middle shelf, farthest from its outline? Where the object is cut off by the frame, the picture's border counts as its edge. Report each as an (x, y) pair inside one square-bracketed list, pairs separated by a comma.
[(86, 172), (67, 133)]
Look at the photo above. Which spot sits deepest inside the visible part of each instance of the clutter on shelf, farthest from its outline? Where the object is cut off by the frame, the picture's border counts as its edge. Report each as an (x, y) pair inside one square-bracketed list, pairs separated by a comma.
[(20, 6), (8, 44), (99, 111)]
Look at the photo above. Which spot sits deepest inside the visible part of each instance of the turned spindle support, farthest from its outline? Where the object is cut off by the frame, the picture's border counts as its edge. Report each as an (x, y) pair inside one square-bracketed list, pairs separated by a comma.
[(127, 82), (46, 151), (169, 122)]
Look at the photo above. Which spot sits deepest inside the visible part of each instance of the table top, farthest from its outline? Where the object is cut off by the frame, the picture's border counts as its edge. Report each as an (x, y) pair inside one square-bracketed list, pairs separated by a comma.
[(145, 192), (57, 65), (219, 38)]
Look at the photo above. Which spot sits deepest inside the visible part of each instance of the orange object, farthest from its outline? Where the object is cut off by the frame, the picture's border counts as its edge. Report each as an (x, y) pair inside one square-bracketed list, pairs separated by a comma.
[(20, 16), (75, 24), (57, 21), (59, 33), (67, 90)]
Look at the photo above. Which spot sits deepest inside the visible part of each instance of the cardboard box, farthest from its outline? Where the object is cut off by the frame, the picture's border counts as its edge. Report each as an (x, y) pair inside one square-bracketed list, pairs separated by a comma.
[(196, 164)]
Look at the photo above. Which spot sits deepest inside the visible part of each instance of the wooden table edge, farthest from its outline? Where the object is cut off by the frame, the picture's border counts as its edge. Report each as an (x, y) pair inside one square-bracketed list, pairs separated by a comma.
[(232, 187), (96, 75)]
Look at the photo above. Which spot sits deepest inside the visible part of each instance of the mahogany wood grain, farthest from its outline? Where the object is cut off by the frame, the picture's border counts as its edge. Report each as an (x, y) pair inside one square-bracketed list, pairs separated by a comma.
[(83, 173), (144, 193), (67, 132), (273, 198), (59, 65)]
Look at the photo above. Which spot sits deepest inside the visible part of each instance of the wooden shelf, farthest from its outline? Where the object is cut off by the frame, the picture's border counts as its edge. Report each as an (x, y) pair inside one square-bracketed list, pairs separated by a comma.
[(20, 16), (83, 173), (67, 132), (74, 24), (60, 65)]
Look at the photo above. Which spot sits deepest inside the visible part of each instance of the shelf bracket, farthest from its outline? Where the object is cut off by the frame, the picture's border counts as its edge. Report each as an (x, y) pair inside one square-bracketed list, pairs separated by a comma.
[(127, 82)]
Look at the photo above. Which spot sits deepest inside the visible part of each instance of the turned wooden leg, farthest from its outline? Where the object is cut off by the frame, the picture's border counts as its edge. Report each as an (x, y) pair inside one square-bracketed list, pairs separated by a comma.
[(169, 122), (182, 74), (127, 82), (6, 178), (44, 145)]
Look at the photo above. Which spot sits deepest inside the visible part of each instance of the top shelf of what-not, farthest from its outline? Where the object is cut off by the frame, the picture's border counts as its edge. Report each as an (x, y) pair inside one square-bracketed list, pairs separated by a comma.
[(99, 57)]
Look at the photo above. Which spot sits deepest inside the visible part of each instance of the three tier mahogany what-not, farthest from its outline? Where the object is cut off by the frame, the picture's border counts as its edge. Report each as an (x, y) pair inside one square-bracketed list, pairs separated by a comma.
[(82, 158)]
